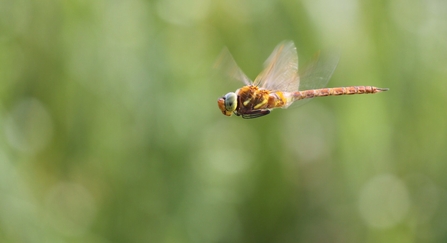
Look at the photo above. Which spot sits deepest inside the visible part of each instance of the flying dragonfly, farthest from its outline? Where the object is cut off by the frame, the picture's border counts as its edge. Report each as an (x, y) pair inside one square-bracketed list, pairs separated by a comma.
[(279, 85)]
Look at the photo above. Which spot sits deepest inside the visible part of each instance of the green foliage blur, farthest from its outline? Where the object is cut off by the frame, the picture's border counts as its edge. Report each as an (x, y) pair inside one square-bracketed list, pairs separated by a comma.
[(110, 131)]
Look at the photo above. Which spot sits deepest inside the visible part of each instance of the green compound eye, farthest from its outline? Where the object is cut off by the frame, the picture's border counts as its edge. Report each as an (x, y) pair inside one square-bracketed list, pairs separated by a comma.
[(230, 101)]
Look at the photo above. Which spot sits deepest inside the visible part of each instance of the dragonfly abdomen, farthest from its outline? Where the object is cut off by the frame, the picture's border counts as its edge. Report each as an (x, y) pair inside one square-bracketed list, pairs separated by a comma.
[(307, 94)]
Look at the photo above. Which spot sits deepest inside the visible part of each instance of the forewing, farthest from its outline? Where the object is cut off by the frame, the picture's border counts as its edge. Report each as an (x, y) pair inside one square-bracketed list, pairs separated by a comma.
[(227, 65), (280, 69)]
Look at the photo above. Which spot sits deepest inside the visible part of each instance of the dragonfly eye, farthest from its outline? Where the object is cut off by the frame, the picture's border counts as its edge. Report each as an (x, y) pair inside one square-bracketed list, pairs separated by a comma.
[(230, 101)]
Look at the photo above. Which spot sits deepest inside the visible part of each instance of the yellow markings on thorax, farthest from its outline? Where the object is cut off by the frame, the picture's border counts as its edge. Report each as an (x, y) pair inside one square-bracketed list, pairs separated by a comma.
[(262, 103), (246, 102), (252, 97)]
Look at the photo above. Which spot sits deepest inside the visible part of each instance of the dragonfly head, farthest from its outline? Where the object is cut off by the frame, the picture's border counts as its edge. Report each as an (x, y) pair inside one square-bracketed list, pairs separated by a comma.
[(228, 103)]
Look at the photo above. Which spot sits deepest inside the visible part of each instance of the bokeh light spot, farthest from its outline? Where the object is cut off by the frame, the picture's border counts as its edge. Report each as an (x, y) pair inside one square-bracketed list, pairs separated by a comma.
[(29, 127), (70, 208), (384, 201), (183, 12)]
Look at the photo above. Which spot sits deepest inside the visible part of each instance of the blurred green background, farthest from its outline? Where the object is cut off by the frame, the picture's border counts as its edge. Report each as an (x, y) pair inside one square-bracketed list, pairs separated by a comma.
[(110, 130)]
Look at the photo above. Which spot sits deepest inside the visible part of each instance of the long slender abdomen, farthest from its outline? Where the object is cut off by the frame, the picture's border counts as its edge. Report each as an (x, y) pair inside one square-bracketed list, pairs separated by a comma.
[(307, 94)]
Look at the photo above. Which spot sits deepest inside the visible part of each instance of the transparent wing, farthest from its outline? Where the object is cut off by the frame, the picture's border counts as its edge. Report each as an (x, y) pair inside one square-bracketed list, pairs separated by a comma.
[(317, 74), (226, 64), (280, 69)]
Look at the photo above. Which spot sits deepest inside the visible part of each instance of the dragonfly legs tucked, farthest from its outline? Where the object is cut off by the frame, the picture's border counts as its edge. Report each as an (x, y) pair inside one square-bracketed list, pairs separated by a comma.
[(254, 114)]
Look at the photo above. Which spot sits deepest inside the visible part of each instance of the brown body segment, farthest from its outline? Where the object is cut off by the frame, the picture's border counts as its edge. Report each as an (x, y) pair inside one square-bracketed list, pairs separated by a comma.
[(307, 94)]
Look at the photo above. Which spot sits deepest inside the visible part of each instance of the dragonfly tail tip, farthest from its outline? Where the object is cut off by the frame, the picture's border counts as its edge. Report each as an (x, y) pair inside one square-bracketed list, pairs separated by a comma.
[(382, 89)]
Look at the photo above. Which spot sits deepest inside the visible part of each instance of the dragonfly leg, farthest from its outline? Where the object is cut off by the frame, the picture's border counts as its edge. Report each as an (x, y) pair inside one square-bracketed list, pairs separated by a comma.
[(255, 114)]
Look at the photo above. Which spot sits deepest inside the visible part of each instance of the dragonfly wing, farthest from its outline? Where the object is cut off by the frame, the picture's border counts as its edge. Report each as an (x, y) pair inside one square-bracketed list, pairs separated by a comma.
[(226, 64), (317, 74), (280, 69)]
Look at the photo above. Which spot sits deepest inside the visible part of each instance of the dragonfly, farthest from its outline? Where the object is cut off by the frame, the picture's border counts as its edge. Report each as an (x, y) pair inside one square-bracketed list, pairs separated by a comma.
[(279, 85)]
